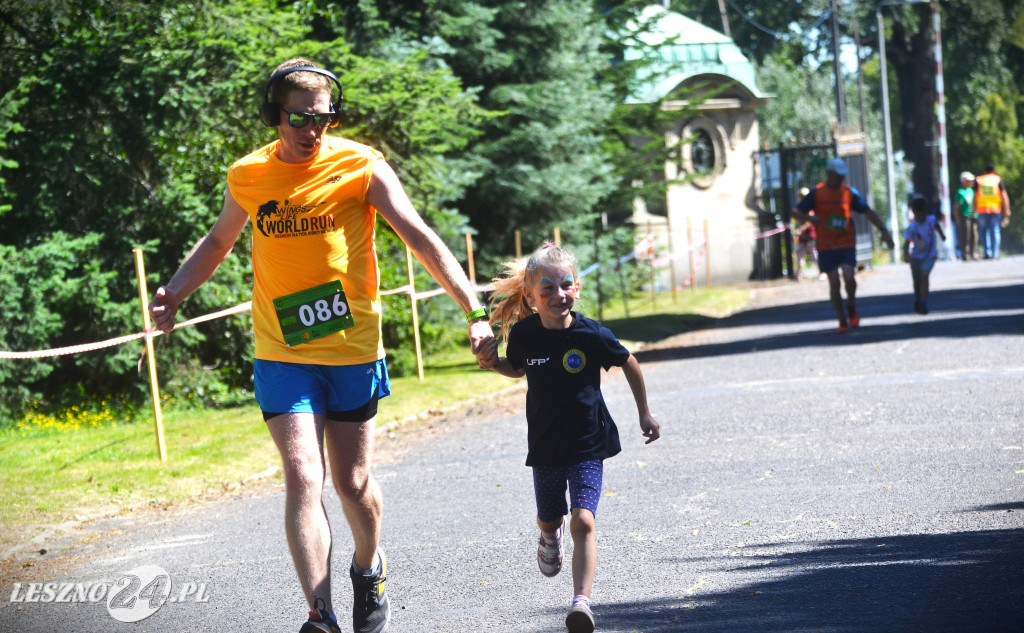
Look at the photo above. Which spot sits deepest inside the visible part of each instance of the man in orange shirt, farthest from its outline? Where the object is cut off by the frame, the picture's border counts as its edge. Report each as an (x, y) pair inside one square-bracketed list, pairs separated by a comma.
[(992, 204), (319, 368), (832, 202)]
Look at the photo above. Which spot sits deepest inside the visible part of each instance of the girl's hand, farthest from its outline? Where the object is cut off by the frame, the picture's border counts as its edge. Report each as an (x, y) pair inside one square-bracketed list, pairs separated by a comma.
[(651, 429), (487, 354)]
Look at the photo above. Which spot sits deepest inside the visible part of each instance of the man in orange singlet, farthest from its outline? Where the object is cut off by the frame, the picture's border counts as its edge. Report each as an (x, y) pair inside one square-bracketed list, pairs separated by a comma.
[(832, 202)]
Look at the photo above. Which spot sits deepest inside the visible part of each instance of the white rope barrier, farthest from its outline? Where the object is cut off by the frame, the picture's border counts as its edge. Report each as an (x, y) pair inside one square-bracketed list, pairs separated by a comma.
[(643, 249)]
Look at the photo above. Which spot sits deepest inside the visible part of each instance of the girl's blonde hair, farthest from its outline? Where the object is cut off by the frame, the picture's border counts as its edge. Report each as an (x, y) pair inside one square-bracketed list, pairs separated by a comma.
[(508, 302)]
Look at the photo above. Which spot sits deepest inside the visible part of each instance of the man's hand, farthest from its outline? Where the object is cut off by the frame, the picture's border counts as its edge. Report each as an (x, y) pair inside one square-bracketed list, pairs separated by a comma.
[(163, 309)]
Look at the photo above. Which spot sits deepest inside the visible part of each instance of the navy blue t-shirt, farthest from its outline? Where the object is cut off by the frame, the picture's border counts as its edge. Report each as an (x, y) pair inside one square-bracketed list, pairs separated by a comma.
[(568, 421)]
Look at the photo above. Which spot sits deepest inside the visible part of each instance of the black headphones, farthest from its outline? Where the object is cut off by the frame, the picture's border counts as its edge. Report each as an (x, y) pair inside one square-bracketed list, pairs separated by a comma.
[(270, 112)]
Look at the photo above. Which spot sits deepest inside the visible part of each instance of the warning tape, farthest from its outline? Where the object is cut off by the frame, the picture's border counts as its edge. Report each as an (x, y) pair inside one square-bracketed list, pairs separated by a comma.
[(781, 229)]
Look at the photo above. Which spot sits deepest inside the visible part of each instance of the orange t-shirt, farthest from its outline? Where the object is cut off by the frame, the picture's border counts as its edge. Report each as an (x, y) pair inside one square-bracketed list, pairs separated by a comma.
[(312, 225)]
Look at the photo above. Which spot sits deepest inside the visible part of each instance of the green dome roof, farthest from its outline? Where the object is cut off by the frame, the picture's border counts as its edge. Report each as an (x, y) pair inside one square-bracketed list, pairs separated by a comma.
[(686, 49)]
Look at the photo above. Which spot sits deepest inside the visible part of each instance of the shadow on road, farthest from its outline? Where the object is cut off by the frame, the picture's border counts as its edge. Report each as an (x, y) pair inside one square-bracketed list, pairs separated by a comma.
[(994, 299), (924, 582)]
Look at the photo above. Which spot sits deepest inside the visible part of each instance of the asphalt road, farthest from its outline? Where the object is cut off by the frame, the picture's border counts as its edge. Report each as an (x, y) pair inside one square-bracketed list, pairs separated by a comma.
[(805, 481)]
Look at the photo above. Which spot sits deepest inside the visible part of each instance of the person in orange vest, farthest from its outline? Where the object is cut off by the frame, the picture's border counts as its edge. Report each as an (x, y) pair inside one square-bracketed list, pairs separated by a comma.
[(832, 202), (991, 202)]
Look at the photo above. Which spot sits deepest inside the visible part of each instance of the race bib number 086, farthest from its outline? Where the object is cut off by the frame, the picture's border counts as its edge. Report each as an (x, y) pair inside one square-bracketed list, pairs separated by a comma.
[(313, 313)]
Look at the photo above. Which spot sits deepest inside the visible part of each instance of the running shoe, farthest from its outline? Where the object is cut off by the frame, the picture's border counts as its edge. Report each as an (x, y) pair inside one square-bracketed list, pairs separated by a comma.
[(371, 612), (854, 317), (321, 621), (842, 329), (549, 553), (580, 618)]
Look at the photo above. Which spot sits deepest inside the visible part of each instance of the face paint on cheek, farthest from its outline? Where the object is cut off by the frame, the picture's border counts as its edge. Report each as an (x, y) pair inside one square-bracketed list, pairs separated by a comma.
[(572, 288), (546, 283), (557, 284)]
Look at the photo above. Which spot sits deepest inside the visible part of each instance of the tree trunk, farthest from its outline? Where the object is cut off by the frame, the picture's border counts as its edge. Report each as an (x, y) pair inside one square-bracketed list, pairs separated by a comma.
[(911, 50)]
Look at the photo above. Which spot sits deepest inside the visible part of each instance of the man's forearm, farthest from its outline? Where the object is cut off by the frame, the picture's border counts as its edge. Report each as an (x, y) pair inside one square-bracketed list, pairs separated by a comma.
[(446, 270)]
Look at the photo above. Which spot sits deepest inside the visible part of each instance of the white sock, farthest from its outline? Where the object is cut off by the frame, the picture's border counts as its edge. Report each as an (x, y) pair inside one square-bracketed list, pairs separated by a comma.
[(373, 571)]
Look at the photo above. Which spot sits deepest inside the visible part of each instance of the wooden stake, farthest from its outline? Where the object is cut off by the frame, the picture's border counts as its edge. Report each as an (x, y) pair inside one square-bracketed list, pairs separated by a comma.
[(707, 255), (469, 253), (154, 384), (415, 316)]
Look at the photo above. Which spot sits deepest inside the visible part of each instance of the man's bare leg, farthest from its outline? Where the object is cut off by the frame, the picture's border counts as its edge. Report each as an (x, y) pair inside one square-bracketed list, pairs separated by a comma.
[(350, 450), (299, 440), (836, 298)]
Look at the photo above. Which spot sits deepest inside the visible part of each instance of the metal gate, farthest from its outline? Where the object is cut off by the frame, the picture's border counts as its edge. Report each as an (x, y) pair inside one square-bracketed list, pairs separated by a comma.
[(784, 172)]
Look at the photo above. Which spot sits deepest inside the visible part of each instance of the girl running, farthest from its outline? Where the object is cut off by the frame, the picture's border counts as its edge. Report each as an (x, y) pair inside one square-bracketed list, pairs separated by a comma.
[(570, 431), (921, 234)]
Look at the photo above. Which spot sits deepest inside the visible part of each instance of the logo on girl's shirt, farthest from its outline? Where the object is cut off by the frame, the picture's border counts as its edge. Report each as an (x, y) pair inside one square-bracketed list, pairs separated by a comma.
[(574, 361)]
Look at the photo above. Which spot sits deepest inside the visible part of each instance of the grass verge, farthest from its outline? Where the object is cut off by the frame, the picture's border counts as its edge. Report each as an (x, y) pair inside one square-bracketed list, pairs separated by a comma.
[(50, 477)]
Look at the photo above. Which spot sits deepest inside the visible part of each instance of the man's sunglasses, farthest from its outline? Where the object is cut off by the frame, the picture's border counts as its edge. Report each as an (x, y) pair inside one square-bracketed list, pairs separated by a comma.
[(302, 119)]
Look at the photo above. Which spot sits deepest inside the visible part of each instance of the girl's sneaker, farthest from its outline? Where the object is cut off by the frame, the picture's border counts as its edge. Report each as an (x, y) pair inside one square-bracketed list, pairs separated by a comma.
[(580, 618), (549, 553)]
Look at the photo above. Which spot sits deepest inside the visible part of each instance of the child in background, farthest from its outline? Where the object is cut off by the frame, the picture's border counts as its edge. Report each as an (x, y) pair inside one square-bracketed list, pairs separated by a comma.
[(570, 430), (921, 234), (806, 238)]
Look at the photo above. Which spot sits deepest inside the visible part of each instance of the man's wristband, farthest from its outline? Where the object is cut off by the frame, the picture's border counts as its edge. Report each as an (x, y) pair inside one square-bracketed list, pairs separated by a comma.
[(473, 315)]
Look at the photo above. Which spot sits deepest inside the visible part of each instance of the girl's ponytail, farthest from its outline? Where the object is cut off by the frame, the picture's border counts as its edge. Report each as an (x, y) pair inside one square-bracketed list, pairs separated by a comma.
[(508, 303)]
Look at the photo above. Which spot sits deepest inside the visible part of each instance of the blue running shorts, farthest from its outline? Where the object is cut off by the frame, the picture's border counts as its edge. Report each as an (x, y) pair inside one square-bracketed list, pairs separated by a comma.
[(832, 259), (341, 392)]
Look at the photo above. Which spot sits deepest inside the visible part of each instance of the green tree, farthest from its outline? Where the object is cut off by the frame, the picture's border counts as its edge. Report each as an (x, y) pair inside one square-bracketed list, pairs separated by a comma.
[(539, 162), (117, 132), (795, 111), (109, 143)]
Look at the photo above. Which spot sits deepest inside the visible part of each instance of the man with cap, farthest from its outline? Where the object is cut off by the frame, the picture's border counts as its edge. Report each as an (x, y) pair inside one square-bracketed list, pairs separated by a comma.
[(832, 202)]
